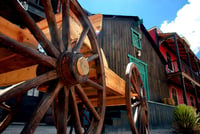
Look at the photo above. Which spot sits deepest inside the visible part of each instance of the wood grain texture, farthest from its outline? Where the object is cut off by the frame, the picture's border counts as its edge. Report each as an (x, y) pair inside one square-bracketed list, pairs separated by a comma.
[(17, 76), (115, 39)]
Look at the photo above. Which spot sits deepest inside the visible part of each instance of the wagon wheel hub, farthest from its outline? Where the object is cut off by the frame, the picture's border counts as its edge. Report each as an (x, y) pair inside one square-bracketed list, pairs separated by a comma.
[(82, 66), (73, 68)]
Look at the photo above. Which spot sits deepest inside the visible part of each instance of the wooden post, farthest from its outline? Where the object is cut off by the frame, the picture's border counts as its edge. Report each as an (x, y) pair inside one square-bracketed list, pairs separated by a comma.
[(197, 63), (196, 98), (180, 70), (184, 89), (189, 61), (177, 53)]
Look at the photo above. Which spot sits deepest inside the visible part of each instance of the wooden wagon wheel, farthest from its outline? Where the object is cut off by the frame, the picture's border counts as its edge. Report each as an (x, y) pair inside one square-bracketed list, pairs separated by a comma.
[(136, 103), (70, 69)]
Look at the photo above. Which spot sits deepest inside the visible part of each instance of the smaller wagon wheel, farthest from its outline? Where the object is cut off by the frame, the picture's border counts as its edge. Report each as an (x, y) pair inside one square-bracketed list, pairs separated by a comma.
[(135, 99)]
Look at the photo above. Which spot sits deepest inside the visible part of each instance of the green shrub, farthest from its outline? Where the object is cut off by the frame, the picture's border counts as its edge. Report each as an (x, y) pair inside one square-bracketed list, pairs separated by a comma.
[(185, 119)]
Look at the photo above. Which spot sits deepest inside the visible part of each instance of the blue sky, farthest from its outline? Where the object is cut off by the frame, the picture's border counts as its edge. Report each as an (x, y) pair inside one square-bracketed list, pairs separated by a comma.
[(180, 16), (153, 12)]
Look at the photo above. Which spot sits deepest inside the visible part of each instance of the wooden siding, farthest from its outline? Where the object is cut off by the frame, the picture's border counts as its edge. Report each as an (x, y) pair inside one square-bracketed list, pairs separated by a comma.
[(156, 117), (117, 120), (116, 41)]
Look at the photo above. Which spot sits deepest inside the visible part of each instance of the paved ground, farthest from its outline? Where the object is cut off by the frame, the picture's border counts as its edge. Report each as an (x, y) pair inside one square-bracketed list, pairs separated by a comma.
[(162, 131), (45, 129)]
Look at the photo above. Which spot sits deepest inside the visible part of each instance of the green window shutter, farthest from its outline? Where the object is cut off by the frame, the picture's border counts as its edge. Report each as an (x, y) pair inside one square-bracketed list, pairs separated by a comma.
[(142, 67), (136, 39)]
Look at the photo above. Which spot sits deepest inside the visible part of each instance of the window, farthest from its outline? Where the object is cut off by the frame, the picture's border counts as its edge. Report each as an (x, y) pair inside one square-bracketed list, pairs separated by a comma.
[(192, 101), (169, 61), (174, 96), (33, 92), (136, 39)]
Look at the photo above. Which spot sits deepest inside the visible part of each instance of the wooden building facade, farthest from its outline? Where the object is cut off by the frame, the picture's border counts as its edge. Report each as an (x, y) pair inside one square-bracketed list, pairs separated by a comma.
[(182, 67), (124, 39)]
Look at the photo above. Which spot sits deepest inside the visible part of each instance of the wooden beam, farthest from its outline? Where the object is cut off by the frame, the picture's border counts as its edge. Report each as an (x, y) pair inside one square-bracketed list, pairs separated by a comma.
[(17, 76), (105, 62), (112, 100), (185, 75), (17, 33), (114, 83), (96, 21), (190, 78), (14, 62), (9, 60)]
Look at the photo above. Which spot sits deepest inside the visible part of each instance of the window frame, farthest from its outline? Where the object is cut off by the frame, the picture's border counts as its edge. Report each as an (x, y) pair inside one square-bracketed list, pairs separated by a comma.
[(169, 61), (136, 39), (175, 100)]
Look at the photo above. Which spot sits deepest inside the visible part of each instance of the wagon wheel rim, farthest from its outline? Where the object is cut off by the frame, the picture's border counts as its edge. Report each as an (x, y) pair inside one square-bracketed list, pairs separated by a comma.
[(62, 54), (7, 111), (138, 118), (6, 117)]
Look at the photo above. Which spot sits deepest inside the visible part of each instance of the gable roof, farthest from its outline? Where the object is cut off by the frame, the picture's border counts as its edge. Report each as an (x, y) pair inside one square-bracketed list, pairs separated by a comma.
[(144, 30)]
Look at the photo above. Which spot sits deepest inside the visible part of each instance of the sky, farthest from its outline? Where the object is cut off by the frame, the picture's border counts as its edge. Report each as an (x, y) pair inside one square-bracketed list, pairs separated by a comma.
[(181, 16)]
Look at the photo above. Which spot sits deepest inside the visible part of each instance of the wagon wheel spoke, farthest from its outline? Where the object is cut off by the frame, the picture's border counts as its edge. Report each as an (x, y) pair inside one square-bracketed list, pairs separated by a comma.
[(77, 124), (66, 24), (49, 48), (134, 81), (136, 114), (55, 37), (5, 121), (136, 104), (62, 111), (7, 111), (143, 124), (132, 90), (86, 101), (27, 51), (41, 109), (94, 84), (81, 39), (71, 129), (3, 105), (25, 86), (93, 57)]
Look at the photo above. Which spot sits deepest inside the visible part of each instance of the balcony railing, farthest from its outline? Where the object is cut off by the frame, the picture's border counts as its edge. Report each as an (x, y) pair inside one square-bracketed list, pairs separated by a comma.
[(190, 72), (185, 68)]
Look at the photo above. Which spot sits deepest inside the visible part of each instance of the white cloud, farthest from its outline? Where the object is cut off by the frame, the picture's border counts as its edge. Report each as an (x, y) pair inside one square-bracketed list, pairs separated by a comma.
[(186, 23)]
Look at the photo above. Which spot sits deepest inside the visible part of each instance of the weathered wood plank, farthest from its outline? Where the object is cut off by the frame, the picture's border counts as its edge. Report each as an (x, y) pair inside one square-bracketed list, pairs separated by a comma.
[(112, 100), (17, 76), (17, 33), (105, 62), (114, 83), (8, 60), (96, 21), (14, 62)]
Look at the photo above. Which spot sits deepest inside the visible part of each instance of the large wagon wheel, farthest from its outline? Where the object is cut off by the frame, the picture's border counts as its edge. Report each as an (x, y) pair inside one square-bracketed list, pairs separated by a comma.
[(70, 69), (136, 103)]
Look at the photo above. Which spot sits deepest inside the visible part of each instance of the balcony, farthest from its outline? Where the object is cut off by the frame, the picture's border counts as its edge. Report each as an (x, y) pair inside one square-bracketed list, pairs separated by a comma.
[(173, 68)]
